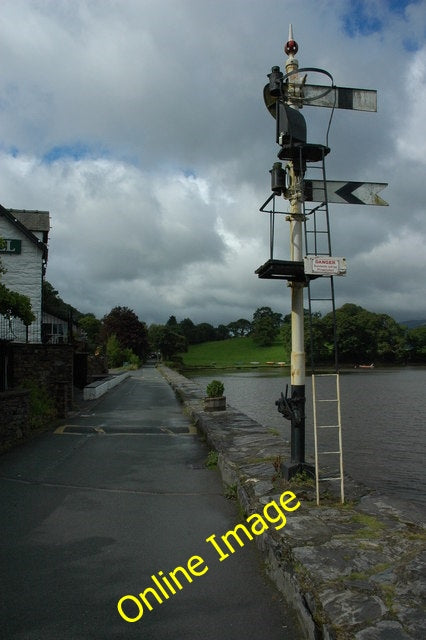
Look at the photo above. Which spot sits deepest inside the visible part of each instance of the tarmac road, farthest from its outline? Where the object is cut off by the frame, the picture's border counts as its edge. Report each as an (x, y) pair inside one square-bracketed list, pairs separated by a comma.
[(118, 494)]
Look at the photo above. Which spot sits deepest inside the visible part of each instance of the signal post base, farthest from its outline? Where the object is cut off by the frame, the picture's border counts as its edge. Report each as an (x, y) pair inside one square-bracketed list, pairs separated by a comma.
[(291, 469)]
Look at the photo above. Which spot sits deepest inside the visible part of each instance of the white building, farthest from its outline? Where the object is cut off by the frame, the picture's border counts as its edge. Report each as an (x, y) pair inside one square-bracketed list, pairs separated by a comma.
[(24, 256)]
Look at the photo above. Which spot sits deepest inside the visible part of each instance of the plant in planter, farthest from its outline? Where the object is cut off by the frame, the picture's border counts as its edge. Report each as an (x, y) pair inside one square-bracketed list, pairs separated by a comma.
[(215, 400)]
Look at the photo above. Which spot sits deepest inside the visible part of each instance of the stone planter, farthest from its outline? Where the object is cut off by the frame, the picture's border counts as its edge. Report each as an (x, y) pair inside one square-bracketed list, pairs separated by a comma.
[(215, 404)]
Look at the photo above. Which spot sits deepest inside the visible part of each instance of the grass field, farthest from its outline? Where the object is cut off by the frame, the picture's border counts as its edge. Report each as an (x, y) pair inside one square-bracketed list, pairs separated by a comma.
[(233, 352)]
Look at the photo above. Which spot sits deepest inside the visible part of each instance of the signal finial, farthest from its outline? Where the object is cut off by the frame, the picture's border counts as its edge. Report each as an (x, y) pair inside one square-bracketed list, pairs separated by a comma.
[(291, 47)]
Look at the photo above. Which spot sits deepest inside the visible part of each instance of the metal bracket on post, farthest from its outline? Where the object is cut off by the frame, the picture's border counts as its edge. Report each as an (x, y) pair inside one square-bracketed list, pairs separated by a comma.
[(293, 409), (289, 407)]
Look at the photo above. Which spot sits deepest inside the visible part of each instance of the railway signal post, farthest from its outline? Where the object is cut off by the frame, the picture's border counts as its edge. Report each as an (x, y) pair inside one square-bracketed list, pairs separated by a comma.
[(284, 97)]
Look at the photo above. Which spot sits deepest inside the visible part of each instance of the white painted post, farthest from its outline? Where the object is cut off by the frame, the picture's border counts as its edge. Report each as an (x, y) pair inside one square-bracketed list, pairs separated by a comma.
[(295, 218)]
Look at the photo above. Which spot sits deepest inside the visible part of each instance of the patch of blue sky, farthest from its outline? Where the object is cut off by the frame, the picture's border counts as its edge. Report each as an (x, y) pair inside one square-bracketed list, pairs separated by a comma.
[(11, 151), (399, 6), (410, 45), (359, 20), (189, 173), (362, 18), (75, 151)]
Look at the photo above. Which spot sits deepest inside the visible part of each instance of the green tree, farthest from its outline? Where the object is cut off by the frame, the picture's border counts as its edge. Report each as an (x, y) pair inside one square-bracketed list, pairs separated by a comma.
[(364, 336), (155, 332), (172, 322), (114, 351), (92, 328), (315, 338), (187, 328), (319, 338), (53, 303), (416, 344), (241, 327), (265, 326), (222, 332), (130, 332), (166, 340), (390, 338), (285, 333), (204, 332), (15, 305)]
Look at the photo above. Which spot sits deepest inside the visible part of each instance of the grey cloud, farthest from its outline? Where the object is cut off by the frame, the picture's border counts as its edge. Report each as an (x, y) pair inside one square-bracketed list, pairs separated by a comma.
[(164, 99)]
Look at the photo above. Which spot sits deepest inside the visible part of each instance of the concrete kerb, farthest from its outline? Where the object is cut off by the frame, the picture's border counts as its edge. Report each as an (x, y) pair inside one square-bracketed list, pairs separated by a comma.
[(97, 389), (355, 571)]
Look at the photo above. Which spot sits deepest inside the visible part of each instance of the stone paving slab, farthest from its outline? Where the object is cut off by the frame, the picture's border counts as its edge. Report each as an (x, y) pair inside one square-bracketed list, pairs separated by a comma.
[(353, 571)]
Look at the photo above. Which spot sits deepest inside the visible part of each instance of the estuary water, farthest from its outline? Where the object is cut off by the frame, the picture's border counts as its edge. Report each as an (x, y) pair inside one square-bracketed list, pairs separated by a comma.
[(383, 420)]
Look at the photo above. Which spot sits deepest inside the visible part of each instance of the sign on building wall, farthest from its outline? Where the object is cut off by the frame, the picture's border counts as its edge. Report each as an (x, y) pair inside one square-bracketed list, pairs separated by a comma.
[(8, 245)]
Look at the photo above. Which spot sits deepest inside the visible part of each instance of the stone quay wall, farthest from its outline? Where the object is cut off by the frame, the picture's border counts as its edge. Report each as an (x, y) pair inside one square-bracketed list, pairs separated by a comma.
[(49, 365), (351, 572), (14, 417)]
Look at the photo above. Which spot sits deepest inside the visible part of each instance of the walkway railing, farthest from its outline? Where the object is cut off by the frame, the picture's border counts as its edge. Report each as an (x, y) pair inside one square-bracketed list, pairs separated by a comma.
[(45, 329)]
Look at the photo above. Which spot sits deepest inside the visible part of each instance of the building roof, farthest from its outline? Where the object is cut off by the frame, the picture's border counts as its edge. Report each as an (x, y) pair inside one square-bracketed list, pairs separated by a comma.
[(9, 214), (34, 220)]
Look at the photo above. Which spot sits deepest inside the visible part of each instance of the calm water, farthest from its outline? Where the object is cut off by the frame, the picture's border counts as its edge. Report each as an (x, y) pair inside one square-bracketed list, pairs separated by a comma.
[(383, 421)]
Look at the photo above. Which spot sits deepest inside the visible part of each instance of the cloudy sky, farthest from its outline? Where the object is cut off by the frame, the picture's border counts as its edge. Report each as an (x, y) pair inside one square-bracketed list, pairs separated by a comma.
[(140, 125)]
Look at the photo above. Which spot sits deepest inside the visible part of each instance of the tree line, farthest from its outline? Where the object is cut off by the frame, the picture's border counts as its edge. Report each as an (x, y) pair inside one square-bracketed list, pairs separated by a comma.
[(363, 337), (123, 335)]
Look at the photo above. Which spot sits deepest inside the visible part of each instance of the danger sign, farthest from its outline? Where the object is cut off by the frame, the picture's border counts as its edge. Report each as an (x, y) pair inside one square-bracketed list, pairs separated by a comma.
[(325, 266)]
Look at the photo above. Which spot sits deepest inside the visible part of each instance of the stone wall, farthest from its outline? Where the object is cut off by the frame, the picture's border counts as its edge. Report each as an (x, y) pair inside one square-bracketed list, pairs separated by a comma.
[(51, 366), (14, 417), (97, 367)]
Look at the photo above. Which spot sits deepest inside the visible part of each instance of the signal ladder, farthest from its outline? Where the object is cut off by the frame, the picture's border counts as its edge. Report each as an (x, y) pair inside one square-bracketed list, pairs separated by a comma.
[(317, 429), (321, 292)]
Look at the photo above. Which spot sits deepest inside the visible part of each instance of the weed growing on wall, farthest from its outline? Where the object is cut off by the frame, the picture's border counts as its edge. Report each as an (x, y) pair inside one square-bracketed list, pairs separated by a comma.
[(42, 406), (212, 459)]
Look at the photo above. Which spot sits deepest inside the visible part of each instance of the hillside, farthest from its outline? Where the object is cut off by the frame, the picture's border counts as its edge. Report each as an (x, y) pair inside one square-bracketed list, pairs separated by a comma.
[(233, 352)]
